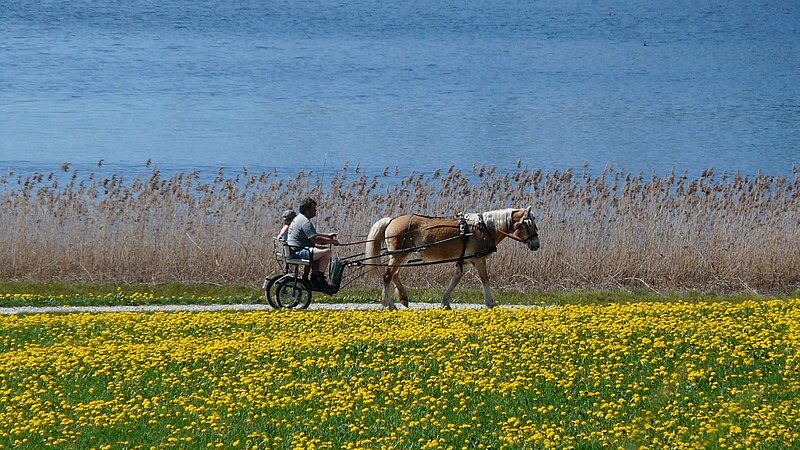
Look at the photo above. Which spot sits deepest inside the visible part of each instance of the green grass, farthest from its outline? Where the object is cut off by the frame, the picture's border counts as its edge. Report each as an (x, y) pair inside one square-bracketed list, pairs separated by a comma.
[(60, 293), (663, 375), (56, 287)]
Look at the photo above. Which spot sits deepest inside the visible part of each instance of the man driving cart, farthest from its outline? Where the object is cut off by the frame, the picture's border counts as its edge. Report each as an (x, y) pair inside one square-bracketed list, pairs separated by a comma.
[(306, 243)]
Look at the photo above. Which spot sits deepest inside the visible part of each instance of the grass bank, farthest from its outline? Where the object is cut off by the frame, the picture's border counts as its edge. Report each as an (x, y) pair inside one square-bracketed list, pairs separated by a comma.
[(64, 293)]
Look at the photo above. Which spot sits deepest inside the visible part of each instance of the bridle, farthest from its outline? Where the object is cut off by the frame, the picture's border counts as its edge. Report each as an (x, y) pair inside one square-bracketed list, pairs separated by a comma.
[(530, 224)]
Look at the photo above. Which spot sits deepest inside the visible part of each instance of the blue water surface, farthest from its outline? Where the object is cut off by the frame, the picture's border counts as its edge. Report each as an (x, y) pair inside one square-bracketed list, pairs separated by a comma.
[(302, 85)]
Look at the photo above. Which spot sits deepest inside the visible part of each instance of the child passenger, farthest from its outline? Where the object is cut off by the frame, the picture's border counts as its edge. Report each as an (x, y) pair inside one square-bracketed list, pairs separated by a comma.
[(288, 216)]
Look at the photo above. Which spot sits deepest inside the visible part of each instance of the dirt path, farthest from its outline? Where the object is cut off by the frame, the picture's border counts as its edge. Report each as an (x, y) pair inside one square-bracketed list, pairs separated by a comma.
[(195, 308)]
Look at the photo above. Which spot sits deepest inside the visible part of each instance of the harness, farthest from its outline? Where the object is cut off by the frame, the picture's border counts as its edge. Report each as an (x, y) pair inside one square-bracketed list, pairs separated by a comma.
[(464, 231)]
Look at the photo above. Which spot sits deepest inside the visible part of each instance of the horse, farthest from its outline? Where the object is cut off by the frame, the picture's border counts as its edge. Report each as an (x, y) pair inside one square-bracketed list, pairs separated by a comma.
[(468, 241)]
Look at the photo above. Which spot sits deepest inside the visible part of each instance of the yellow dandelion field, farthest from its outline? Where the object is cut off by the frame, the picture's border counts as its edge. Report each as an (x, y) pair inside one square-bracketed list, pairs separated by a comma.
[(649, 375)]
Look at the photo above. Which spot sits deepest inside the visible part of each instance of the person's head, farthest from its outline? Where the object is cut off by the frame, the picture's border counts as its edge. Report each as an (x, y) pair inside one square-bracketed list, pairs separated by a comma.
[(308, 207), (288, 216)]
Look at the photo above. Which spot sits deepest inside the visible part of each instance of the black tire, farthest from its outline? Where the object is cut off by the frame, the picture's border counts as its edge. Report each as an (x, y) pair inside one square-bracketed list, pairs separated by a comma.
[(269, 291), (292, 293)]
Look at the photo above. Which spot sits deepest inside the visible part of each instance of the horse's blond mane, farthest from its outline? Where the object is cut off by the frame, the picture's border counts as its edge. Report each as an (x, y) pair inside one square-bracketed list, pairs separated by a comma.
[(502, 219)]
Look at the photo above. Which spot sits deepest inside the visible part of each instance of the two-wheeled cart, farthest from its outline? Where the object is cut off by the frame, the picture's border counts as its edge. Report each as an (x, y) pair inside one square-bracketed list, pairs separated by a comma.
[(293, 288)]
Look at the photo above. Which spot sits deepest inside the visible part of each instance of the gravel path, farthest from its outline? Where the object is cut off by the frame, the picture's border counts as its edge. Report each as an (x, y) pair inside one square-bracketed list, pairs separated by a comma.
[(194, 308)]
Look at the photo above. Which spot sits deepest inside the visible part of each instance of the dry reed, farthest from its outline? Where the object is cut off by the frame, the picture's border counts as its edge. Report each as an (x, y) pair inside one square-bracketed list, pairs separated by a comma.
[(723, 232)]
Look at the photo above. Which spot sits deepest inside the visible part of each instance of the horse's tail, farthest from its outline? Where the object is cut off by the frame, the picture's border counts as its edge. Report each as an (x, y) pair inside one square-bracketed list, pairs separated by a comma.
[(375, 239)]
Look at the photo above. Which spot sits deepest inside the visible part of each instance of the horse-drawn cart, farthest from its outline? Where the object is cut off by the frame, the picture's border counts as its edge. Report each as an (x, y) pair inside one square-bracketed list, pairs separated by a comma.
[(465, 240), (292, 288)]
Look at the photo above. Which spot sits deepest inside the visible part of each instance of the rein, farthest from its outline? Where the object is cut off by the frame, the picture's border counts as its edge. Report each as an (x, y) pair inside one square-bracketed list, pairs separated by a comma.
[(523, 241), (464, 235), (430, 227), (420, 264)]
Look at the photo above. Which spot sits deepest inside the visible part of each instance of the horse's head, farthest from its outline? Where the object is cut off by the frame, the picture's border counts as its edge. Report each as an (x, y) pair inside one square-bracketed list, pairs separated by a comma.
[(526, 231)]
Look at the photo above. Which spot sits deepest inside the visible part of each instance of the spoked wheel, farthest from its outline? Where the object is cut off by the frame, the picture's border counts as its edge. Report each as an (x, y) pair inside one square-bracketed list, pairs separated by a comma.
[(270, 287), (292, 293)]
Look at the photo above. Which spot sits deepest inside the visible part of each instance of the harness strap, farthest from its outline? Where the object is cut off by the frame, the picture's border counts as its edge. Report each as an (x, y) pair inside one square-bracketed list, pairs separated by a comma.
[(512, 237), (420, 264), (463, 230), (407, 234)]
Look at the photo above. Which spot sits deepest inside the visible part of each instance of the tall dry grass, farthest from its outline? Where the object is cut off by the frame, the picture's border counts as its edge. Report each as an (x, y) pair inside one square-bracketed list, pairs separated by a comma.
[(725, 232)]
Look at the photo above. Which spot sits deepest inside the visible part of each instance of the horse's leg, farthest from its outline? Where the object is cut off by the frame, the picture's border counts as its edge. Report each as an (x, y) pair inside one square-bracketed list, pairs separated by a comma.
[(388, 275), (480, 266), (402, 295), (453, 282)]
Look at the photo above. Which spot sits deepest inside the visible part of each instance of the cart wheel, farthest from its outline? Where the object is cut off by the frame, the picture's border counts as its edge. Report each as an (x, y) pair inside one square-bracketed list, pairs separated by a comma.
[(292, 293), (270, 285)]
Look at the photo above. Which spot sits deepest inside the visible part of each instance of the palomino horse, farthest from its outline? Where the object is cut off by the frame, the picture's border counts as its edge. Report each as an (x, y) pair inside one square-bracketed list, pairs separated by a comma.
[(467, 241)]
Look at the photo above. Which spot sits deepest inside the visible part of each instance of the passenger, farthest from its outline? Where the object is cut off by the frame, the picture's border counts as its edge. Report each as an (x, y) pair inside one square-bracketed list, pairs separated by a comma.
[(288, 216), (304, 241)]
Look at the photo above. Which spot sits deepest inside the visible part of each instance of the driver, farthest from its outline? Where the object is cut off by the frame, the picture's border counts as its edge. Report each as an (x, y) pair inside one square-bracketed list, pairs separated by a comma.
[(305, 242)]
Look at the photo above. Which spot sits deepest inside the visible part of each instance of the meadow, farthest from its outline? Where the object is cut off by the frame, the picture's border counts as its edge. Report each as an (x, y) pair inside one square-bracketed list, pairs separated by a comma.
[(642, 375), (722, 232)]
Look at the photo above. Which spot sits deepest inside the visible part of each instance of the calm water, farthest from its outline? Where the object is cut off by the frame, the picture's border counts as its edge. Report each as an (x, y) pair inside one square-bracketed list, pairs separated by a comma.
[(416, 84)]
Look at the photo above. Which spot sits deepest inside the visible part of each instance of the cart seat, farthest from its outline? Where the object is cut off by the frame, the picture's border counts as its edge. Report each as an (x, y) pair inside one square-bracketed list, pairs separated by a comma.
[(277, 247), (287, 257)]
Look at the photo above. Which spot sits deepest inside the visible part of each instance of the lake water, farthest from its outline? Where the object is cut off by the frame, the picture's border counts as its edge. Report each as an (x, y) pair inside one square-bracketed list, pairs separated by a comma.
[(416, 84)]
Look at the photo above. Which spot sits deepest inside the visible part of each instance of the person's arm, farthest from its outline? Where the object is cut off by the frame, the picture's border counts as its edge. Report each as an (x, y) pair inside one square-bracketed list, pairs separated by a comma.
[(325, 239), (284, 230)]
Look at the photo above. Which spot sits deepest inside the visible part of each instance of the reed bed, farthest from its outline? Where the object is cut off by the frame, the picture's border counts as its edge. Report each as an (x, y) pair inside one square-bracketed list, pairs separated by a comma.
[(613, 230)]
